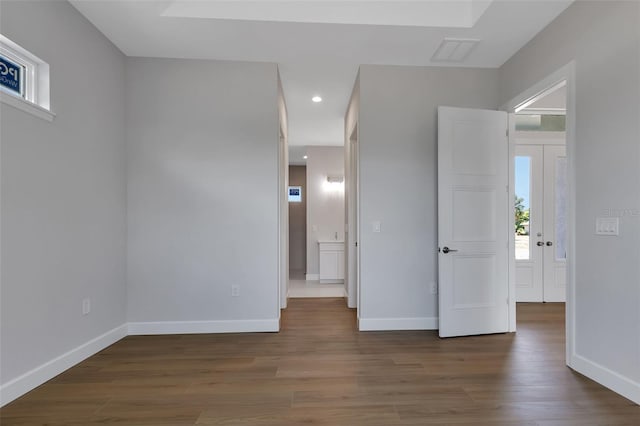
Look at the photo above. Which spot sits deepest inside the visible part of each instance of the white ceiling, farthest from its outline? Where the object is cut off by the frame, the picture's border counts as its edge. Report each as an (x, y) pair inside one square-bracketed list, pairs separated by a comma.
[(297, 154), (434, 13), (318, 44)]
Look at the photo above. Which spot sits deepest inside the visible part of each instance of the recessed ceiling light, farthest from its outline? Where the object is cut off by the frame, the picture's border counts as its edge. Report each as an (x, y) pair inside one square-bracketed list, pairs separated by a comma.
[(304, 157), (316, 99)]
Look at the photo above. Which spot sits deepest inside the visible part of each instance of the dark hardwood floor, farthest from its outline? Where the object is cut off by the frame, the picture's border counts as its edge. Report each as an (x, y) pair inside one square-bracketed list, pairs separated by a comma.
[(318, 370)]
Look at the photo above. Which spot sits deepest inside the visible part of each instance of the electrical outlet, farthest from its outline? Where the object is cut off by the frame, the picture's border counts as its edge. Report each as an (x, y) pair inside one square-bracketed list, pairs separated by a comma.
[(235, 290), (434, 288), (86, 306)]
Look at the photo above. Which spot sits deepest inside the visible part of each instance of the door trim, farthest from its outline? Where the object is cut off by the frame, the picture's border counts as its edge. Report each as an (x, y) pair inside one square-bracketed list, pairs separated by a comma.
[(283, 220), (352, 207), (553, 138), (566, 73)]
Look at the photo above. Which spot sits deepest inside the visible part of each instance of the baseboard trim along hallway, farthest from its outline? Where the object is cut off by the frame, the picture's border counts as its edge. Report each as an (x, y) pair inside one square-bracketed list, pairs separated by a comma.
[(197, 327), (391, 324), (41, 374), (610, 379)]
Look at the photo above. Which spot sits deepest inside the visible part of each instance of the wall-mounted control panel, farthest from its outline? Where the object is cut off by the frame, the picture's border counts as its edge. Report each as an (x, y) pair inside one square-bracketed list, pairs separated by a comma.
[(608, 226)]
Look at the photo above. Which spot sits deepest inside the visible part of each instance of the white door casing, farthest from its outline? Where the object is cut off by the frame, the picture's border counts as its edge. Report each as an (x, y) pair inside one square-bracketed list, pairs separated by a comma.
[(473, 209), (283, 213), (351, 239)]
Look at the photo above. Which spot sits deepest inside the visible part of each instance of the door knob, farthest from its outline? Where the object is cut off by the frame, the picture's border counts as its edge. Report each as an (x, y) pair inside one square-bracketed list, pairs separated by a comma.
[(549, 243), (446, 250), (539, 243)]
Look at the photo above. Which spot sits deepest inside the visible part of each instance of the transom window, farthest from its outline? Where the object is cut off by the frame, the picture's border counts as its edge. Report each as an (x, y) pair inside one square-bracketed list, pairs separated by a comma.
[(24, 79)]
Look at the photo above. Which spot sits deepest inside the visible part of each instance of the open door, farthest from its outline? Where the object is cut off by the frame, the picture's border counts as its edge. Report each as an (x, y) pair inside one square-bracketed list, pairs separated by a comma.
[(473, 231)]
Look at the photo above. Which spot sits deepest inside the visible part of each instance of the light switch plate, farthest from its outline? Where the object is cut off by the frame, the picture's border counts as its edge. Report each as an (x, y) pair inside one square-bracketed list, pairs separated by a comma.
[(608, 226), (376, 226)]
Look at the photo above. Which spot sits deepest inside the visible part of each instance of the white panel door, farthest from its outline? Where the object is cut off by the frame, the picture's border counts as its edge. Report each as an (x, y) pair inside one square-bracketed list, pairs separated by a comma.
[(540, 249), (473, 231), (555, 224)]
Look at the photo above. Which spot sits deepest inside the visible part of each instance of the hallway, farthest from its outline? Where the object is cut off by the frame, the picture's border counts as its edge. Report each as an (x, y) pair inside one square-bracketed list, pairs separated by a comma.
[(299, 287)]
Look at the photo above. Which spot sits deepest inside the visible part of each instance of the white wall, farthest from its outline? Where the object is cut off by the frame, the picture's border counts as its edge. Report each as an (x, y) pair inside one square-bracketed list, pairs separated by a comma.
[(604, 40), (398, 185), (202, 195), (325, 203), (63, 200)]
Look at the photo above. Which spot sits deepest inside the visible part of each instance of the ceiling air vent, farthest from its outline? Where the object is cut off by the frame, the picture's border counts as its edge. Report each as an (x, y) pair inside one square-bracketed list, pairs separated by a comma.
[(454, 49)]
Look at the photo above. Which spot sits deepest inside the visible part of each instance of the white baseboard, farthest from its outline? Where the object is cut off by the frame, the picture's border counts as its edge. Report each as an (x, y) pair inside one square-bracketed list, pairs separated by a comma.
[(313, 277), (390, 324), (195, 327), (20, 385), (607, 378), (316, 291), (30, 380)]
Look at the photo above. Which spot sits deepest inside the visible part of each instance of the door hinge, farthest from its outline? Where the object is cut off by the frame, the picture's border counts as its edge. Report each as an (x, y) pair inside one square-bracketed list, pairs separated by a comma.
[(507, 133), (507, 300)]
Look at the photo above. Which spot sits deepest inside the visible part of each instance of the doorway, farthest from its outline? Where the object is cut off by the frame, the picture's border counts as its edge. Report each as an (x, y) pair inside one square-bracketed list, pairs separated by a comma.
[(540, 202), (297, 222), (316, 197), (456, 128), (559, 89)]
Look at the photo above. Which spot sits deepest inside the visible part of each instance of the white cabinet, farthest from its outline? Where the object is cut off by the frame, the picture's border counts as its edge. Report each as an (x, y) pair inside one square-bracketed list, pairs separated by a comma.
[(331, 261)]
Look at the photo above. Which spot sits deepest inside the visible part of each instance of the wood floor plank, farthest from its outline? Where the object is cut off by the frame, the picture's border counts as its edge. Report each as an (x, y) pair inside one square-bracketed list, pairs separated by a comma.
[(319, 370)]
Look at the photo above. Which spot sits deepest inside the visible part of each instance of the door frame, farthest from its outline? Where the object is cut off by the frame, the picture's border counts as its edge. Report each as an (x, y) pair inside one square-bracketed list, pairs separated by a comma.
[(567, 74), (352, 207), (282, 195), (283, 220)]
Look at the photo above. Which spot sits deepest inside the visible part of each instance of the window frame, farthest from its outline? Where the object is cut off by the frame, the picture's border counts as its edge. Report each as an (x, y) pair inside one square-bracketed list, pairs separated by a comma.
[(35, 98)]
